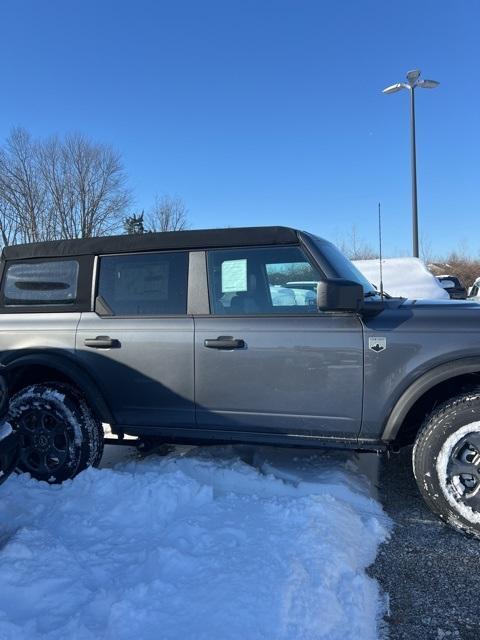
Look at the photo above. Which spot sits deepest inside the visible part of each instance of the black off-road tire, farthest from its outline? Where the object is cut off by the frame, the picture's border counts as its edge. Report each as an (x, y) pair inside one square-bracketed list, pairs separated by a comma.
[(59, 435), (446, 462), (3, 396), (8, 454)]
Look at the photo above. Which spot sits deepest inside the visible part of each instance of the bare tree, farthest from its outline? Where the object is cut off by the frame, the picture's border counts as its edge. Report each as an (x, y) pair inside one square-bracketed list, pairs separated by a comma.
[(426, 252), (86, 186), (457, 263), (59, 188), (8, 224), (355, 247), (22, 192), (168, 214)]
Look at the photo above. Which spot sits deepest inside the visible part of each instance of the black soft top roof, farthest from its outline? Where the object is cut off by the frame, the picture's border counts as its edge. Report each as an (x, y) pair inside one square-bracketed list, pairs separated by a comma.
[(198, 239)]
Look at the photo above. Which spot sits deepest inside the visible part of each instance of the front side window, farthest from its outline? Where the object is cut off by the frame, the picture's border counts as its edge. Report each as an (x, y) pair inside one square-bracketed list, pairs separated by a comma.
[(149, 284), (259, 281), (52, 282)]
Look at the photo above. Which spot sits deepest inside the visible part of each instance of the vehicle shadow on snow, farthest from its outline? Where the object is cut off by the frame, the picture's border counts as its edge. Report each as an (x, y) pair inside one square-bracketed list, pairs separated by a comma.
[(429, 571), (292, 465)]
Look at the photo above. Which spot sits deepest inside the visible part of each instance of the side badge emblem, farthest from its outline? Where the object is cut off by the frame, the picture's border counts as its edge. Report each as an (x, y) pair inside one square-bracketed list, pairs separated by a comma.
[(377, 344)]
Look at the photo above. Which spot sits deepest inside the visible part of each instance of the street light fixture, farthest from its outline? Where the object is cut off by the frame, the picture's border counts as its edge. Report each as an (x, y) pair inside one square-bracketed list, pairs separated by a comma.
[(413, 82)]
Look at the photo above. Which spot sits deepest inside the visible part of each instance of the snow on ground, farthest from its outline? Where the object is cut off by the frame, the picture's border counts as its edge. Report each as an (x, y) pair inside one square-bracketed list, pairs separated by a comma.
[(405, 277), (5, 430), (218, 544)]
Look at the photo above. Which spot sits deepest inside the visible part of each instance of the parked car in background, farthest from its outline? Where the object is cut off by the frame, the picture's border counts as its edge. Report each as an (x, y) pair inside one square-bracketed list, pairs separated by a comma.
[(293, 294), (474, 291), (405, 277), (305, 284), (453, 287)]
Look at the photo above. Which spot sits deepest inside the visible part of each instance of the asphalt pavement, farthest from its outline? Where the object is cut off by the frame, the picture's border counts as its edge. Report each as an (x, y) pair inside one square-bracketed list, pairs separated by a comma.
[(430, 573)]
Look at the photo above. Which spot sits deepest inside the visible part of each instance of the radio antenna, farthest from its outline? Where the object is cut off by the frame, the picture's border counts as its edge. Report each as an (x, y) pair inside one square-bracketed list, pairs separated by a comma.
[(380, 248)]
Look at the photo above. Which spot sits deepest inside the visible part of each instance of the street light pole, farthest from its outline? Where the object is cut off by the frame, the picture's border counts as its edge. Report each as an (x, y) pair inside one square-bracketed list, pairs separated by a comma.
[(414, 174), (413, 81)]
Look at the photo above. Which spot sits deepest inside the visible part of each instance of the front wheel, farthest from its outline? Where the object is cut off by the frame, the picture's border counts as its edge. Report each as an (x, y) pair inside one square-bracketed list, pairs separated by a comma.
[(58, 434), (446, 462)]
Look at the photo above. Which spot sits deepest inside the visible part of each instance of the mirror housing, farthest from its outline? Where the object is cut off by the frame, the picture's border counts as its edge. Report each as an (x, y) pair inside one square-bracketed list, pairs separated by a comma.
[(338, 294)]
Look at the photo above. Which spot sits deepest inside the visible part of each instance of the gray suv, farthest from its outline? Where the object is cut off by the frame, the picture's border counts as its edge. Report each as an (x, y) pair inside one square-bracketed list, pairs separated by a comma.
[(256, 335)]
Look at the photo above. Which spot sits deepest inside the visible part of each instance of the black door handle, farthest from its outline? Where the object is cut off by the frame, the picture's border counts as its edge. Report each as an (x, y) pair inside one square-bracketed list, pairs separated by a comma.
[(225, 342), (102, 342)]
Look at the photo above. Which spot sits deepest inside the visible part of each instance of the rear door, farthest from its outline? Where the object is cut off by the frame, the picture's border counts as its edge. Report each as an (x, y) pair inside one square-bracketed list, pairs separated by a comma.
[(265, 359), (138, 345)]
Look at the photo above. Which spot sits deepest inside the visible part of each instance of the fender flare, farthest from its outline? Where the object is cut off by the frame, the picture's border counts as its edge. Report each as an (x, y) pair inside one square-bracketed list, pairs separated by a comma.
[(420, 386), (70, 369)]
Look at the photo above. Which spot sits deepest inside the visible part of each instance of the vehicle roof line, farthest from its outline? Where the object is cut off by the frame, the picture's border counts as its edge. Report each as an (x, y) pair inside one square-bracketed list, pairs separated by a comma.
[(191, 239)]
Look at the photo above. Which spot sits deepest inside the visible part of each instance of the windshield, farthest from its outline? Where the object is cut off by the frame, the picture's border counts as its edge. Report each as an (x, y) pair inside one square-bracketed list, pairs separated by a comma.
[(450, 281), (343, 267)]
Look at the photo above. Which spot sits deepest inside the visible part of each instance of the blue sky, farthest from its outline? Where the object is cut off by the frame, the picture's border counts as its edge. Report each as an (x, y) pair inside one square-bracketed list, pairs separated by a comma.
[(263, 111)]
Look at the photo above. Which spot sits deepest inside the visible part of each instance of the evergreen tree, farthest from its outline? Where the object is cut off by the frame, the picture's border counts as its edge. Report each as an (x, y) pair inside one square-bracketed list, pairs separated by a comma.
[(134, 224)]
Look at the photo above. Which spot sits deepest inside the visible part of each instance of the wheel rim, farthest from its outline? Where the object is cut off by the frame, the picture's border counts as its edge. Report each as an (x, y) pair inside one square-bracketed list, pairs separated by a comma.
[(43, 442), (463, 471)]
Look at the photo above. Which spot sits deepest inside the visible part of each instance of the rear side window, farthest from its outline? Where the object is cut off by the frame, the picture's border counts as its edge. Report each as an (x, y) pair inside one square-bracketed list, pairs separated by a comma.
[(52, 282), (149, 284)]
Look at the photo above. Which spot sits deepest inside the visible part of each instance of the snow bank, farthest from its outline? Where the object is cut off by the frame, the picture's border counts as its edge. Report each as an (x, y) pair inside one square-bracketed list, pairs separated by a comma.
[(405, 277), (193, 546)]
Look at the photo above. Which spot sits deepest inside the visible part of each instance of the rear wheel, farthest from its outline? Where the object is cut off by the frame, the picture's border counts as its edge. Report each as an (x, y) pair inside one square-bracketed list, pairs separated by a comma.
[(3, 396), (446, 462), (58, 434)]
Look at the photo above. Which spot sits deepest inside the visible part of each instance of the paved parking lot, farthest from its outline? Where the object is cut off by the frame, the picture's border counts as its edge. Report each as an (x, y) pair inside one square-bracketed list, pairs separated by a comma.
[(431, 573)]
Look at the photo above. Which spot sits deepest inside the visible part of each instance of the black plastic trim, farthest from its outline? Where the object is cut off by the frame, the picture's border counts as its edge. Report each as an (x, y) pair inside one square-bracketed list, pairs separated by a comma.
[(197, 295), (70, 369), (211, 436), (420, 386)]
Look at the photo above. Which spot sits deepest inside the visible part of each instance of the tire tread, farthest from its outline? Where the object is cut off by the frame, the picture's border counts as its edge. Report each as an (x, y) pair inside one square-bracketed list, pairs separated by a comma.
[(423, 462)]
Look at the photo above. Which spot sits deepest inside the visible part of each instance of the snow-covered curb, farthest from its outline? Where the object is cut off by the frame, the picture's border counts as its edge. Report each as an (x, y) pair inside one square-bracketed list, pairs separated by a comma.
[(196, 546)]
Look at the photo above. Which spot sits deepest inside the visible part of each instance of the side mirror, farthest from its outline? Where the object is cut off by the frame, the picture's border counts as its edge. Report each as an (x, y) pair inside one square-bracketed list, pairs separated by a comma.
[(338, 294)]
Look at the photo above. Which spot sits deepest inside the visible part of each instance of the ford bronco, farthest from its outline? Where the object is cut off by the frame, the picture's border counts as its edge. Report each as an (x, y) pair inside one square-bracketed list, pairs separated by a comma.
[(255, 335)]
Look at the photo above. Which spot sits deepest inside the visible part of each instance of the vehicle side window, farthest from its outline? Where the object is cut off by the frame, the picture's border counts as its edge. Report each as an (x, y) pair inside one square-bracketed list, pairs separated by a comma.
[(146, 284), (52, 282), (260, 281)]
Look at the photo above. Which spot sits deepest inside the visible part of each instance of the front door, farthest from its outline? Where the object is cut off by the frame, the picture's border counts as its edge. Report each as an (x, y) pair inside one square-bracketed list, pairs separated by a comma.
[(139, 346), (265, 359)]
